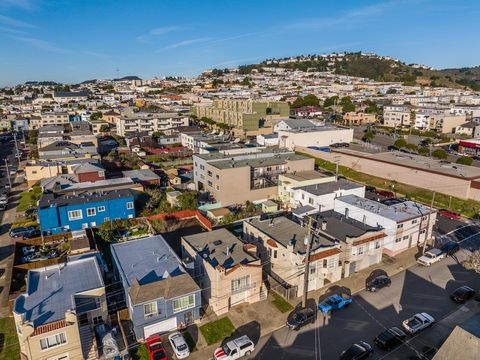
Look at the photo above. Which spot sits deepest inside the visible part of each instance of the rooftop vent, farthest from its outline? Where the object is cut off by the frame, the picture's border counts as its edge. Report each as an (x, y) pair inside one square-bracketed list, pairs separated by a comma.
[(217, 242)]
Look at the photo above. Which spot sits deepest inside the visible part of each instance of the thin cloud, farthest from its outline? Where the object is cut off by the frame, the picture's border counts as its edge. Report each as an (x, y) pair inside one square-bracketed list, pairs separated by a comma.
[(50, 47), (145, 38), (235, 37), (185, 43), (24, 4), (347, 17), (237, 61), (12, 31), (8, 21)]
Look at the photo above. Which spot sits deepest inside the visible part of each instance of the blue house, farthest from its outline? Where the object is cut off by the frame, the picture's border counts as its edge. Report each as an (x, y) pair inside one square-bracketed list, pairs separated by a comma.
[(159, 293), (67, 212)]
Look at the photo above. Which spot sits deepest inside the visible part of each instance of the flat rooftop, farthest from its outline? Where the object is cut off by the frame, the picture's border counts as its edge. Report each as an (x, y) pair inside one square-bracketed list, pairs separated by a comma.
[(277, 159), (419, 162), (213, 245), (51, 290), (48, 199), (398, 212), (315, 129), (306, 175), (330, 187), (286, 231)]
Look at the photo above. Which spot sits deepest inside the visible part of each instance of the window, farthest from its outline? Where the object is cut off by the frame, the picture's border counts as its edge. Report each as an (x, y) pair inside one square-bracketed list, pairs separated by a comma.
[(218, 177), (101, 208), (209, 183), (218, 187), (423, 231), (397, 240), (52, 341), (150, 309), (75, 215), (209, 173), (91, 212), (106, 219), (377, 244), (130, 205), (406, 237), (240, 284), (325, 263), (360, 250), (310, 201), (274, 254), (312, 269), (331, 262), (399, 226), (184, 303), (414, 221)]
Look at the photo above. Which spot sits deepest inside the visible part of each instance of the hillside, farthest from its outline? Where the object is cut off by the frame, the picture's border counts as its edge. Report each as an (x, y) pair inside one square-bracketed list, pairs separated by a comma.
[(379, 68)]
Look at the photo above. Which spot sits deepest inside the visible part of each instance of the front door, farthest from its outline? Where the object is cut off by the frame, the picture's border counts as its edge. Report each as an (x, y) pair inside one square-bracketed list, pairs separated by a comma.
[(188, 318)]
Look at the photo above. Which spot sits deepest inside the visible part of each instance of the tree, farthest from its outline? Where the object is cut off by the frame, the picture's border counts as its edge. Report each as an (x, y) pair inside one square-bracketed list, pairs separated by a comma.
[(464, 160), (347, 105), (368, 136), (96, 116), (104, 128), (473, 262), (424, 151), (107, 232), (440, 154), (372, 108), (82, 107), (187, 200), (412, 147), (331, 101), (400, 143), (391, 91)]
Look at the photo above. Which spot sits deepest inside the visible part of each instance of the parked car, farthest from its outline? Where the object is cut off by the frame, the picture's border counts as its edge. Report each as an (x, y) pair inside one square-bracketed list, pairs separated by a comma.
[(313, 147), (334, 302), (360, 350), (378, 283), (32, 234), (301, 318), (34, 257), (3, 207), (155, 348), (390, 338), (431, 257), (21, 231), (370, 188), (462, 294), (235, 349), (418, 322), (449, 214), (179, 345), (385, 193), (450, 247)]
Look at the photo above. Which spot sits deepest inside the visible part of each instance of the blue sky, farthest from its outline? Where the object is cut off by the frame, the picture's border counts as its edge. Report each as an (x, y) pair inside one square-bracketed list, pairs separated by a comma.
[(76, 40)]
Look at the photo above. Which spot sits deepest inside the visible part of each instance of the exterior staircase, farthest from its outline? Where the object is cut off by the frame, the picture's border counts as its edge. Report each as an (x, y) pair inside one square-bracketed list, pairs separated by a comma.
[(89, 343)]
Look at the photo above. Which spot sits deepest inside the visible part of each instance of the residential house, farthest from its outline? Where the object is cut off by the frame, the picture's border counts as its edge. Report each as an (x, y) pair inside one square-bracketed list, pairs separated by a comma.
[(406, 224), (225, 268), (145, 177), (359, 118), (58, 213), (56, 316), (287, 182), (317, 136), (159, 293), (470, 129), (66, 150), (282, 246)]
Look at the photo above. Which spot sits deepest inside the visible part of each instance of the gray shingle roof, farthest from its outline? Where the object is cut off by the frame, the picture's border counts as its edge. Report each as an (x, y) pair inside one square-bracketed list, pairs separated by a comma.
[(330, 187)]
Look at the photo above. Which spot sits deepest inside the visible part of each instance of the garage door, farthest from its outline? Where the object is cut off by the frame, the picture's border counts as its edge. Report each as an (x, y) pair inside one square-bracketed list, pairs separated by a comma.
[(238, 298), (160, 327)]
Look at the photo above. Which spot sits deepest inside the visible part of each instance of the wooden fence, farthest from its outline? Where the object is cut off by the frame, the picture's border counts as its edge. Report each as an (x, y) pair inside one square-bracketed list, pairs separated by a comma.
[(283, 289)]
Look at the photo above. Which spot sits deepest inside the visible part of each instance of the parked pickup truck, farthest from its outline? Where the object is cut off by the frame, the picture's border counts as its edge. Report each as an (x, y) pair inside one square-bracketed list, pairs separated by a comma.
[(431, 257), (334, 302), (235, 349), (418, 322)]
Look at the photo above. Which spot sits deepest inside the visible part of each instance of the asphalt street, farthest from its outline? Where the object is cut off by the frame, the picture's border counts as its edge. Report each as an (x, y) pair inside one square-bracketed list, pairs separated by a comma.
[(419, 289)]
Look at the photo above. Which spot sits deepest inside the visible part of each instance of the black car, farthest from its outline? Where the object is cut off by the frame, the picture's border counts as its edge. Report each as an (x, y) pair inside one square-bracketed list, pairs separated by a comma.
[(22, 231), (450, 247), (462, 294), (390, 338), (32, 234), (361, 350), (378, 282), (301, 318), (370, 188)]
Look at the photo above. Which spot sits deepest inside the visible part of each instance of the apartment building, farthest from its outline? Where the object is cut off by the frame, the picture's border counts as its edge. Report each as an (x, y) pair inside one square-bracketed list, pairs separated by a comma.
[(406, 224), (246, 116), (133, 123), (59, 213), (471, 129), (287, 182), (359, 118), (56, 316), (438, 120), (281, 245), (49, 118), (317, 136), (66, 150), (361, 244), (397, 116), (159, 293), (228, 270), (235, 178), (68, 96)]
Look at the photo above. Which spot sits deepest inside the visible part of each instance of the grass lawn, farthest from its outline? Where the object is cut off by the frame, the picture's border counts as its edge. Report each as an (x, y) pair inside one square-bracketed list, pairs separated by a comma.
[(140, 353), (468, 208), (28, 199), (280, 303), (218, 330), (9, 347)]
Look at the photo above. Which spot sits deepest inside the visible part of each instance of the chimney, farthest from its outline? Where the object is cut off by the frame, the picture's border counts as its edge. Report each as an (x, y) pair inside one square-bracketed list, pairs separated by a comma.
[(324, 225), (305, 240), (228, 251), (346, 213)]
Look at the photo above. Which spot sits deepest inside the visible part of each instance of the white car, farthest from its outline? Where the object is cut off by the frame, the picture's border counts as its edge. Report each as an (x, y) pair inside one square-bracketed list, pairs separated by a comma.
[(27, 250), (179, 345), (431, 257), (235, 349), (418, 322)]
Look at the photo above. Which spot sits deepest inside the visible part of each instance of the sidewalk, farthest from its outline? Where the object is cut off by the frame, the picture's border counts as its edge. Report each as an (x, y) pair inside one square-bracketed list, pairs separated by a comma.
[(269, 319)]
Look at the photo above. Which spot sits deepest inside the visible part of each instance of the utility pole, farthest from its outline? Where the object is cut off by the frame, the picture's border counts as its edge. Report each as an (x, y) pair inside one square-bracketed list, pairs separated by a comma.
[(308, 240), (337, 160), (8, 174), (17, 154), (428, 223)]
